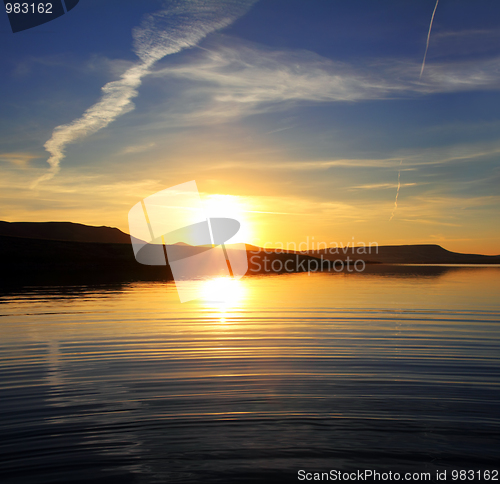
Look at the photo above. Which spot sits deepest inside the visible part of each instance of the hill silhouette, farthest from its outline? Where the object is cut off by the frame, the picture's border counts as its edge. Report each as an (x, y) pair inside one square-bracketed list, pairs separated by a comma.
[(405, 254), (68, 231), (67, 253)]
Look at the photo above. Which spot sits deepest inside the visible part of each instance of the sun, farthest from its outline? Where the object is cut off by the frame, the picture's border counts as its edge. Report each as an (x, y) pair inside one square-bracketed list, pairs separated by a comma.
[(229, 206)]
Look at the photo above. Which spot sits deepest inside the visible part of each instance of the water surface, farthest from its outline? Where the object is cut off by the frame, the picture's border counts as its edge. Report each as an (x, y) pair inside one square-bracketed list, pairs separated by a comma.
[(397, 369)]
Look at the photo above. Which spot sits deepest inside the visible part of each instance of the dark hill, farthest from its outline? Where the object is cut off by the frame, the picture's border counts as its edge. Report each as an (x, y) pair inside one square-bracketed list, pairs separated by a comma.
[(64, 252), (26, 262), (67, 231), (406, 254)]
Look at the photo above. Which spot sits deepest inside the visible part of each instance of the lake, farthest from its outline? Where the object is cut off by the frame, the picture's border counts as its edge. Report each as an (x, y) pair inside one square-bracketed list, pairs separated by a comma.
[(396, 369)]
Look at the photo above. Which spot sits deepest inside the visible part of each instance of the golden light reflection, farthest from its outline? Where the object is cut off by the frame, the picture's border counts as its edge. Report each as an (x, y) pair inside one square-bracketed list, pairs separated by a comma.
[(223, 292), (222, 296)]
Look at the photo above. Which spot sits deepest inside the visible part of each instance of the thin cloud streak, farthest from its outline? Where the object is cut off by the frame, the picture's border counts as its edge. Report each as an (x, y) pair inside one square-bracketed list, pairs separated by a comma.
[(428, 38), (274, 213), (137, 148), (472, 153), (379, 186), (166, 32), (412, 159), (397, 192)]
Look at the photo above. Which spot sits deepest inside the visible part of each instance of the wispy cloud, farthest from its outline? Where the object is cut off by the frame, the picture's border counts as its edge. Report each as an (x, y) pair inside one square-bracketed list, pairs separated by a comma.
[(180, 26), (137, 148), (467, 34), (440, 223), (460, 43), (382, 186), (232, 78), (19, 159), (252, 75), (412, 159)]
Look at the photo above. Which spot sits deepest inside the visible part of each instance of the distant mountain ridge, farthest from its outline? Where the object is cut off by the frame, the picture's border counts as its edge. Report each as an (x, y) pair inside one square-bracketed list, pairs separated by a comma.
[(406, 254), (64, 231), (396, 254), (65, 253)]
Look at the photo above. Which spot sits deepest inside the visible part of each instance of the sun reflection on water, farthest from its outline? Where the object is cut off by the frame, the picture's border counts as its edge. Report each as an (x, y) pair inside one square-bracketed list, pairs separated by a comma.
[(223, 292), (222, 297)]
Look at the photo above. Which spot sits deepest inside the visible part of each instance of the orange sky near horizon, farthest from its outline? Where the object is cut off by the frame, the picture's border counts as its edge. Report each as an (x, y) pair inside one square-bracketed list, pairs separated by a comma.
[(270, 221)]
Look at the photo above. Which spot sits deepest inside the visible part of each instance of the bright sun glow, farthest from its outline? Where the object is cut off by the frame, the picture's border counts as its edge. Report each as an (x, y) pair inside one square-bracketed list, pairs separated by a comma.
[(229, 206)]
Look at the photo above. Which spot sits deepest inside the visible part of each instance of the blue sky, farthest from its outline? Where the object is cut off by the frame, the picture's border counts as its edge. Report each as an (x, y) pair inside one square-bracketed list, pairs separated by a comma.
[(298, 114)]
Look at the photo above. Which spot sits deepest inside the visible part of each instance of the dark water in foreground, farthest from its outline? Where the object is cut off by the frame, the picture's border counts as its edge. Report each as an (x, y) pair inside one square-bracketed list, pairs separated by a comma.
[(395, 371)]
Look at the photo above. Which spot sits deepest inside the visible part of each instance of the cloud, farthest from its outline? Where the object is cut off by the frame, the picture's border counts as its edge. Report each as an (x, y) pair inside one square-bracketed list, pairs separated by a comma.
[(137, 148), (467, 34), (412, 159), (180, 26), (254, 75), (19, 159), (435, 208), (464, 42), (235, 78), (430, 222), (382, 186)]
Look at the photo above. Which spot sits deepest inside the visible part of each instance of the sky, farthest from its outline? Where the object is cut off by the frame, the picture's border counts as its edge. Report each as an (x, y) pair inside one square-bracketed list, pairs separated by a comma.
[(307, 120)]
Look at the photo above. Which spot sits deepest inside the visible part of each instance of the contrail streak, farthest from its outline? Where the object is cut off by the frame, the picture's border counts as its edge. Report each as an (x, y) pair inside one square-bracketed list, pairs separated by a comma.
[(397, 192), (428, 38), (182, 25)]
